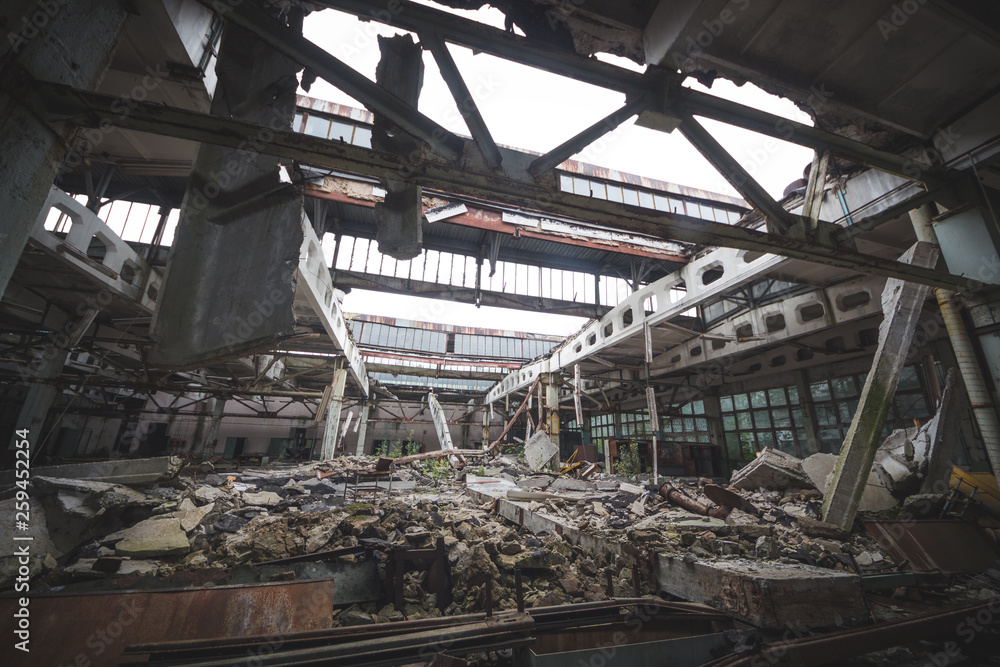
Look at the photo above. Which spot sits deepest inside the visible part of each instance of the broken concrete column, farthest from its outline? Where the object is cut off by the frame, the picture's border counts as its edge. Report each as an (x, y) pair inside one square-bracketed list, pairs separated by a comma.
[(230, 277), (942, 438), (366, 409), (332, 425), (208, 444), (400, 217), (41, 396), (901, 303), (68, 43)]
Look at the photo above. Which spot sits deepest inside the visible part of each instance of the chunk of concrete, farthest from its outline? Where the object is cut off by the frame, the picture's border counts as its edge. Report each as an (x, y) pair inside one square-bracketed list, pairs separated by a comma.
[(115, 471), (154, 538), (192, 517), (767, 595), (539, 450), (875, 497), (262, 498), (771, 470), (569, 484), (209, 494)]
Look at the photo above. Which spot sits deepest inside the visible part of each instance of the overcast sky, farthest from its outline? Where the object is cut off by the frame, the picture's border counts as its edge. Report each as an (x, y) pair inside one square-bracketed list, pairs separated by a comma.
[(531, 109)]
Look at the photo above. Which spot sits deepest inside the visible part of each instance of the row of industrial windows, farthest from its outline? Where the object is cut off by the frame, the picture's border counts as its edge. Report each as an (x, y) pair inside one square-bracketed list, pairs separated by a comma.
[(439, 342), (624, 194), (774, 417), (362, 255), (131, 221), (334, 129)]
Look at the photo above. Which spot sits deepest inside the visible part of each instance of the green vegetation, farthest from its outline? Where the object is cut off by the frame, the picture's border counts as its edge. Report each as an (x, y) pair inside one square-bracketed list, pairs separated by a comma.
[(396, 449), (628, 464), (437, 468)]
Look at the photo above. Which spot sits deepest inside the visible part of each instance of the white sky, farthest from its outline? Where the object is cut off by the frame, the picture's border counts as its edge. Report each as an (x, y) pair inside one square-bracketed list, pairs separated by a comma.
[(531, 109)]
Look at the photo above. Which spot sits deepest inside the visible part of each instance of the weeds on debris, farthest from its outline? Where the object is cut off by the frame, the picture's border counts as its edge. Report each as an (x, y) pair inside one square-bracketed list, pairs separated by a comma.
[(628, 464)]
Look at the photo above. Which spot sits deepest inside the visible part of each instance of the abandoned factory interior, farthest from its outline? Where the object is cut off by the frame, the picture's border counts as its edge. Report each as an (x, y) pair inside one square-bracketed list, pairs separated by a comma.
[(533, 332)]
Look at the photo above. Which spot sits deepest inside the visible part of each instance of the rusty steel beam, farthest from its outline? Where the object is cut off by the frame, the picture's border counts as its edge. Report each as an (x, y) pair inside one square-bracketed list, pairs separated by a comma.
[(669, 493), (514, 186), (168, 615), (827, 649)]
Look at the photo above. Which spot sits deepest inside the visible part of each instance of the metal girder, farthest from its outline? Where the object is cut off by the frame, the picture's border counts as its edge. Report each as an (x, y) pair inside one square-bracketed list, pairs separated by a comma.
[(889, 214), (574, 145), (463, 98), (487, 39), (459, 294), (514, 186), (762, 122), (482, 38), (291, 43), (735, 174)]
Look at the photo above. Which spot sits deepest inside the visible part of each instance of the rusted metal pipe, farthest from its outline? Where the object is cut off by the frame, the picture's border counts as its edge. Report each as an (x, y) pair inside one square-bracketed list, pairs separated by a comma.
[(965, 354), (674, 496)]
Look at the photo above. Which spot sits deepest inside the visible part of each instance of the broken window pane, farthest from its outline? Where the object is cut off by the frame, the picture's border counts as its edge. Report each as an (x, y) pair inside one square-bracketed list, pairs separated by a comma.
[(820, 391), (909, 378), (782, 417), (776, 396), (844, 387)]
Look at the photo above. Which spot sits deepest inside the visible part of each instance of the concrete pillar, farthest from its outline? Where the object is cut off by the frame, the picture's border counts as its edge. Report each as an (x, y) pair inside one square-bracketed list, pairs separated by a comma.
[(809, 420), (71, 43), (552, 418), (400, 216), (366, 408), (231, 274), (901, 303), (41, 396), (968, 250), (208, 444), (331, 429)]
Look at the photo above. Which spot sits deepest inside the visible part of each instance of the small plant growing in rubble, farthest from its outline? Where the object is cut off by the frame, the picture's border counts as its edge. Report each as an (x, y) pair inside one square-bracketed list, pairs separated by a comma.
[(437, 469), (411, 447), (628, 463)]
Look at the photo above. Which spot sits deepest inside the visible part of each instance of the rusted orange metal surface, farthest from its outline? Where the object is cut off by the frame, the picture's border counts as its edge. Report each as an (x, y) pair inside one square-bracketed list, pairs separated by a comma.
[(94, 629), (946, 546)]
